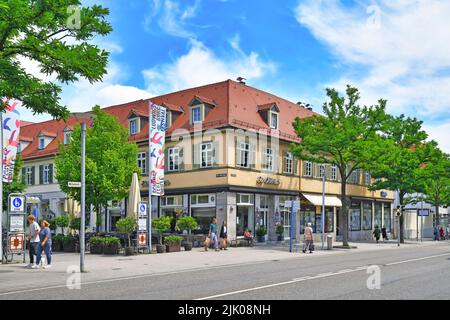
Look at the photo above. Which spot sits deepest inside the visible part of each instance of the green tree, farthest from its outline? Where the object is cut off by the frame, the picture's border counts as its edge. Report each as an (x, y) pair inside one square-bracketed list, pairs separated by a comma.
[(62, 221), (345, 136), (400, 164), (110, 161), (127, 226), (56, 35), (17, 185)]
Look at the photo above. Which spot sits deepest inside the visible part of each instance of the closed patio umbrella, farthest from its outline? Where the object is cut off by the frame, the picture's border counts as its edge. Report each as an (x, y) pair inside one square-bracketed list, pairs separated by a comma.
[(134, 196), (72, 207)]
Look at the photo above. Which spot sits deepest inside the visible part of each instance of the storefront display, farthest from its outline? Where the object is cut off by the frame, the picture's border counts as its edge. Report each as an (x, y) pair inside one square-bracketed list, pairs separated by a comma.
[(354, 214), (367, 216), (378, 215)]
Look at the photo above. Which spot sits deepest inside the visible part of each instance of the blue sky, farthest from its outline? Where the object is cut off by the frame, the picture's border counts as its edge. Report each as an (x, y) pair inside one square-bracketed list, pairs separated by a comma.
[(398, 50)]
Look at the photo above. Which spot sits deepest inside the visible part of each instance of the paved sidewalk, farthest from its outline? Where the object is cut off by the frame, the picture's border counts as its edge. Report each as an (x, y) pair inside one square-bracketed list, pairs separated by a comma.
[(17, 277)]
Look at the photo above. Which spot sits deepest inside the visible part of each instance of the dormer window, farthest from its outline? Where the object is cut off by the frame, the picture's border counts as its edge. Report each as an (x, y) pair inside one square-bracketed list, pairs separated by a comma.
[(196, 114), (133, 125), (41, 143), (19, 148), (273, 120), (67, 135), (200, 108), (168, 119), (270, 114)]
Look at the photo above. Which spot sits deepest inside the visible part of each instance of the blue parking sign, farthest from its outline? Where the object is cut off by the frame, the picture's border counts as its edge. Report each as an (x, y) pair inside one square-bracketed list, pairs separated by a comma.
[(17, 203), (142, 209)]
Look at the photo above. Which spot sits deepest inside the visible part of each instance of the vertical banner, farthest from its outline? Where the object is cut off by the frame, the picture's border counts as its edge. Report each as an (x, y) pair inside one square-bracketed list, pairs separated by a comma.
[(11, 130), (157, 132)]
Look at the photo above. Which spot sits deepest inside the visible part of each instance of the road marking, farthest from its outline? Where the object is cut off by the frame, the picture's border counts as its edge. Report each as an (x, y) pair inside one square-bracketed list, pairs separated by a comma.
[(322, 275), (417, 259)]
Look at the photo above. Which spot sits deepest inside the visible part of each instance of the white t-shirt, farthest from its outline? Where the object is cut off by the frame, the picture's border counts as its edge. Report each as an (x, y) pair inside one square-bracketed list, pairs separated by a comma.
[(33, 228)]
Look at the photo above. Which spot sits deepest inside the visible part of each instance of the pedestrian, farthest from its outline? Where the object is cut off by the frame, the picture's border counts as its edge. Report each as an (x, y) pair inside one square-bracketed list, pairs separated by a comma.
[(308, 239), (33, 238), (441, 233), (212, 235), (45, 245), (248, 237), (224, 235), (436, 233), (376, 233), (448, 232), (384, 233)]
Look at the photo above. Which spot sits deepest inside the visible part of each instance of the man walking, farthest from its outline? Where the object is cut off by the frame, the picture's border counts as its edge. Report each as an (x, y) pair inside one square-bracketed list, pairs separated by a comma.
[(33, 238), (212, 234), (308, 238)]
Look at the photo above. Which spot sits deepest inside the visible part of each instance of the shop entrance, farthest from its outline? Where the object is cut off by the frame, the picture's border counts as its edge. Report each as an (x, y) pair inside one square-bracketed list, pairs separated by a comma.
[(244, 220)]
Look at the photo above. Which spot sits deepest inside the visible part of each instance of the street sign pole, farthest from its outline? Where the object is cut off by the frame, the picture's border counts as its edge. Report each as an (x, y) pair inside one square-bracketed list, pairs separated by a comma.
[(83, 194), (421, 220), (291, 233), (1, 189), (149, 177), (323, 208)]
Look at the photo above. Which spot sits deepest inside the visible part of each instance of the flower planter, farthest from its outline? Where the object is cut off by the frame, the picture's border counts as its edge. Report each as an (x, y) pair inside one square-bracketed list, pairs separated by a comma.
[(280, 238), (173, 247), (261, 239), (69, 246), (96, 248), (187, 246), (160, 248), (111, 249), (129, 251), (57, 246)]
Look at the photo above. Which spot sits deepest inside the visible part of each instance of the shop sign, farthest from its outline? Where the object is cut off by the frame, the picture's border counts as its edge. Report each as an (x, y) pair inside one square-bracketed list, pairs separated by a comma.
[(267, 180)]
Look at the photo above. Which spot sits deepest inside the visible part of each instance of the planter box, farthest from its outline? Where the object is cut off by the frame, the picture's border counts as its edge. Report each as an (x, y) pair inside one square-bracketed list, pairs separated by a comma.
[(261, 239), (111, 250), (173, 247), (57, 246), (187, 246), (96, 249), (160, 248), (70, 246)]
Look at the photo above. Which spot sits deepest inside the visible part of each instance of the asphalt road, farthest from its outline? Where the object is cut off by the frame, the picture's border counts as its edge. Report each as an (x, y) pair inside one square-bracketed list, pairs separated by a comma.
[(408, 273)]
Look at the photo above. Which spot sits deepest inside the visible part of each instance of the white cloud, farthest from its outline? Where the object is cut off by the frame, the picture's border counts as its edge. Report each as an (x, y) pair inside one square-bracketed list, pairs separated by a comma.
[(201, 66), (403, 46), (440, 133)]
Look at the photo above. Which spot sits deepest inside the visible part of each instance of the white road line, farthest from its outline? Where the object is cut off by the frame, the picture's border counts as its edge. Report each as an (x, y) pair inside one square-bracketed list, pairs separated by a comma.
[(322, 275), (417, 259)]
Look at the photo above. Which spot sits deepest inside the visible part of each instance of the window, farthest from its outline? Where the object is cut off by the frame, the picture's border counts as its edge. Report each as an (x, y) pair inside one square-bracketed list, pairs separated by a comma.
[(133, 126), (174, 159), (196, 114), (19, 147), (367, 216), (46, 174), (367, 178), (355, 216), (308, 169), (274, 120), (206, 155), (333, 172), (321, 170), (244, 199), (288, 163), (41, 143), (329, 221), (267, 160), (141, 160), (244, 155), (307, 215), (354, 177), (378, 215), (168, 118), (67, 137), (203, 199), (387, 216), (172, 201), (29, 176)]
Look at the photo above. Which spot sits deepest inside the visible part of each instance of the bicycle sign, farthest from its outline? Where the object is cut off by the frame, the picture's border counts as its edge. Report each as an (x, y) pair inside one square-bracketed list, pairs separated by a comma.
[(142, 209), (17, 203)]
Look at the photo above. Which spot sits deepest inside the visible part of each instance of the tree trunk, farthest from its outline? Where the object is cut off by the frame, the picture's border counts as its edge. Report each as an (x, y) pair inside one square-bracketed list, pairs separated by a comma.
[(344, 212), (437, 215), (401, 218)]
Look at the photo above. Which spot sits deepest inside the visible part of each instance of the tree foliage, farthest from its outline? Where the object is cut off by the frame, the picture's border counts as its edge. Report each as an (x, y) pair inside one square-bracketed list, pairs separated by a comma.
[(56, 34), (346, 135), (110, 161)]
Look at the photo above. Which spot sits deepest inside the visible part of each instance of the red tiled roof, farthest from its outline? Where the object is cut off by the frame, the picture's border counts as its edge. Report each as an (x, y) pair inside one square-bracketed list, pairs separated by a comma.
[(236, 105), (139, 113), (48, 134), (267, 106), (24, 123), (26, 139), (173, 107)]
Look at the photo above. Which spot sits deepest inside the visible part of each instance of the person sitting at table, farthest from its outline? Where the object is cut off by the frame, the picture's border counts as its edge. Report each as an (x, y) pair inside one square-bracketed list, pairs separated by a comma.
[(248, 237)]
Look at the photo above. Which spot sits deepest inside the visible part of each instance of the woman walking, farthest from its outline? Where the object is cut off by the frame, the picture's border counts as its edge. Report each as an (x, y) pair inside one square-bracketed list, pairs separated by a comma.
[(44, 246), (224, 235)]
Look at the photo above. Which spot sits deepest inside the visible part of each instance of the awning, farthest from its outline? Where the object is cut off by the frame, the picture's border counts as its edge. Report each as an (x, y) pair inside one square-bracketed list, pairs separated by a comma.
[(330, 201)]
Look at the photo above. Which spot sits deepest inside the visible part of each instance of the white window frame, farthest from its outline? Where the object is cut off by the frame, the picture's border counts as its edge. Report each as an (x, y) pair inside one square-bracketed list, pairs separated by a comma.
[(334, 172), (244, 199), (322, 170), (268, 159), (41, 143), (200, 111), (46, 174), (308, 169), (133, 128), (67, 137), (206, 155), (367, 178), (177, 201), (142, 162), (173, 159), (273, 115), (288, 165), (244, 153), (28, 176)]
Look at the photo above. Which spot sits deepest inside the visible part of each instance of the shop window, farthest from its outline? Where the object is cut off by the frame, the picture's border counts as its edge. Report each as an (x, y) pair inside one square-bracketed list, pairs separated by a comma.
[(355, 216), (378, 215), (307, 215), (329, 220), (172, 201), (367, 216), (387, 221)]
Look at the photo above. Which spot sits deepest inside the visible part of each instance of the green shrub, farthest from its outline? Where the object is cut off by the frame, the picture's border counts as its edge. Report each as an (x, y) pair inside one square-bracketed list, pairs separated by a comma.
[(68, 239), (127, 225), (173, 239), (161, 224), (75, 224), (96, 241), (110, 241), (187, 223), (261, 232), (62, 221), (59, 238), (280, 229)]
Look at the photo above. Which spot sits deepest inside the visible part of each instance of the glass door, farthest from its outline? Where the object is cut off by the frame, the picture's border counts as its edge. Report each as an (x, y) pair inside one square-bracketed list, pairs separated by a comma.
[(286, 222)]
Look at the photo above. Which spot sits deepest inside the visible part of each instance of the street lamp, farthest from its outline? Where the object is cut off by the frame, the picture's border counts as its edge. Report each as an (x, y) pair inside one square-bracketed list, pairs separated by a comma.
[(80, 115)]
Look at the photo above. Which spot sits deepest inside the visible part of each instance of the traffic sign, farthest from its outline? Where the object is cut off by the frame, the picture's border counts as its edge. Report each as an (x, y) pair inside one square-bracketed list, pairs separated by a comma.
[(142, 224), (16, 242), (423, 212), (17, 203), (142, 209), (74, 184), (17, 223), (142, 239)]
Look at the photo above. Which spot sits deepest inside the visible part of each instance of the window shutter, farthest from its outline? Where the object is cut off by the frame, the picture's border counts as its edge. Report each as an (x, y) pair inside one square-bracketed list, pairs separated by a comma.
[(41, 174), (50, 173), (23, 174), (215, 153), (295, 164), (181, 159), (252, 156), (196, 156), (237, 152), (33, 181)]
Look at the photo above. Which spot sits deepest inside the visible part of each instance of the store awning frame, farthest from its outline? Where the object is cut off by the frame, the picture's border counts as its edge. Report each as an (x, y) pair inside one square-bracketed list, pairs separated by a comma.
[(316, 199)]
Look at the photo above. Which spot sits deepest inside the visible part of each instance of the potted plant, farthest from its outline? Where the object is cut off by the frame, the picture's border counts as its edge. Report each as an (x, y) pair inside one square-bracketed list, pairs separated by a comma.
[(187, 223), (75, 224), (96, 245), (63, 222), (161, 224), (280, 232), (111, 245), (261, 234), (57, 243), (69, 244), (127, 226), (173, 243)]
